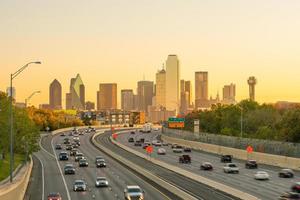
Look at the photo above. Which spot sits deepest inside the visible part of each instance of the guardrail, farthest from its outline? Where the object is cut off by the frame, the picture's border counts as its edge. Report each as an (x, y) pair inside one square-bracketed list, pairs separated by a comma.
[(17, 189), (213, 184)]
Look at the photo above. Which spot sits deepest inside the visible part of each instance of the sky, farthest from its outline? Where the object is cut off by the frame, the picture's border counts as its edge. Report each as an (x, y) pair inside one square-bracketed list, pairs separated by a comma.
[(122, 41)]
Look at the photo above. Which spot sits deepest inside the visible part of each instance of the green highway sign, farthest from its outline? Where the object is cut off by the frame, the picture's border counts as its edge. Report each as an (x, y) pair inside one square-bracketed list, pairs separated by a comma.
[(175, 119)]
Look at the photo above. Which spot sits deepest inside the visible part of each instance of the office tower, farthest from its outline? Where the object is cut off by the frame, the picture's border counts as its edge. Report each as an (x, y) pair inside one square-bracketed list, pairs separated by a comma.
[(55, 95), (160, 89), (89, 105), (229, 93), (127, 100), (75, 99), (172, 83), (201, 90), (185, 89), (188, 88), (107, 99), (145, 94), (252, 82), (13, 92)]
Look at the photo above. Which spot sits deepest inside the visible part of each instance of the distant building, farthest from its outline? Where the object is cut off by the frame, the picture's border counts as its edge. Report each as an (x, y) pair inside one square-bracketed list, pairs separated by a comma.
[(252, 82), (145, 92), (185, 96), (55, 95), (75, 99), (89, 105), (107, 96), (127, 100), (229, 94), (201, 90), (8, 92), (286, 105), (172, 83), (160, 98), (158, 116)]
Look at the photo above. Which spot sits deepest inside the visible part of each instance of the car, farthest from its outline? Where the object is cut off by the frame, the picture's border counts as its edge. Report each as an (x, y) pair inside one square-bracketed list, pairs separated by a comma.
[(73, 152), (58, 147), (63, 156), (77, 142), (93, 129), (185, 159), (206, 166), (98, 158), (226, 158), (76, 138), (101, 182), (296, 187), (83, 163), (251, 164), (187, 149), (132, 132), (261, 175), (142, 140), (67, 141), (164, 144), (81, 133), (79, 156), (100, 163), (54, 196), (178, 149), (69, 169), (134, 192), (158, 144), (138, 143), (231, 168), (290, 196), (131, 139), (174, 145), (79, 185), (161, 151), (286, 173), (74, 145), (63, 134), (69, 147), (154, 142)]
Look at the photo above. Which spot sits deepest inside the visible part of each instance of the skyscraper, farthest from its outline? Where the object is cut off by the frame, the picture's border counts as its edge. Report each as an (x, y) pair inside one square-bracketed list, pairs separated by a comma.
[(172, 83), (185, 90), (145, 95), (127, 100), (252, 82), (160, 89), (107, 98), (188, 88), (55, 95), (201, 90), (75, 99), (229, 93)]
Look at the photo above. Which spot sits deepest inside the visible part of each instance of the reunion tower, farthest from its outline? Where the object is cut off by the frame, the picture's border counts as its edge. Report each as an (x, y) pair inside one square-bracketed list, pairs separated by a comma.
[(252, 82)]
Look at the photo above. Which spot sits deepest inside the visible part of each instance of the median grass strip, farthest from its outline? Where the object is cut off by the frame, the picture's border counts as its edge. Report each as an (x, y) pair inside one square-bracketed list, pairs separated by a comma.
[(4, 165)]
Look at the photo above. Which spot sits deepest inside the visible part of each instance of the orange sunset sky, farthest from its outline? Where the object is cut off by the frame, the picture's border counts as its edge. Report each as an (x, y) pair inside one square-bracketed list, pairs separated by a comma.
[(122, 40)]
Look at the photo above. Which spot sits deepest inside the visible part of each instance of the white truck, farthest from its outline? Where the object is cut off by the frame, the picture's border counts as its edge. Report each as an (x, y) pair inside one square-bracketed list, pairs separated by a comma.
[(147, 128)]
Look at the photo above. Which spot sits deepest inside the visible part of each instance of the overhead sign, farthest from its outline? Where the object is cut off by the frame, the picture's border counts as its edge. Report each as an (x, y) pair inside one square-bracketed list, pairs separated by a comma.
[(176, 124), (249, 149), (176, 119)]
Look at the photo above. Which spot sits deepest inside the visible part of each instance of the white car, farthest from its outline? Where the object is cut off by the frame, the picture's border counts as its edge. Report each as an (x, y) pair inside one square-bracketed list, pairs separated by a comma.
[(134, 192), (231, 168), (261, 175), (158, 144), (101, 182), (161, 151), (178, 149), (154, 142)]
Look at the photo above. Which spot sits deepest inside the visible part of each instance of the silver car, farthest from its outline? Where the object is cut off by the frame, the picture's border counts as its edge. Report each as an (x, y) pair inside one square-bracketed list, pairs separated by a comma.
[(134, 192), (101, 182)]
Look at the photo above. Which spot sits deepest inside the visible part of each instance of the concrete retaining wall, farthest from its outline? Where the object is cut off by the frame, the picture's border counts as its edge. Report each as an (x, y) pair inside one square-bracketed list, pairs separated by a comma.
[(269, 159), (17, 189)]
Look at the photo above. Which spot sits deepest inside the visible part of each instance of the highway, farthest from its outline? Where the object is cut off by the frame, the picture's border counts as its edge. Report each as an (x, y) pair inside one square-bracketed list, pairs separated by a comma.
[(194, 188), (117, 175), (244, 181)]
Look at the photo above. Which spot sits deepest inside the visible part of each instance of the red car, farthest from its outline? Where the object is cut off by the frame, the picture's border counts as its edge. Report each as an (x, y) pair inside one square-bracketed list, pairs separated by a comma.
[(54, 196)]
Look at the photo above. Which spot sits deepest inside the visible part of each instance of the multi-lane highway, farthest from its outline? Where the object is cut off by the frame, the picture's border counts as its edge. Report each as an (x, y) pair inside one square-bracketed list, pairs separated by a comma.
[(243, 181), (48, 176)]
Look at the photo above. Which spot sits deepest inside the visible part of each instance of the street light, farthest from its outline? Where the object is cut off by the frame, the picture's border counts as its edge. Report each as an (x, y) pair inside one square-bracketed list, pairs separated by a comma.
[(28, 98), (13, 76)]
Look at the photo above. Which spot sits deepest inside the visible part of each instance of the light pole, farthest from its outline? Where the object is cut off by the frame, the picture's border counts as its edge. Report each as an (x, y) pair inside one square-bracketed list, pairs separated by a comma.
[(12, 76), (28, 98)]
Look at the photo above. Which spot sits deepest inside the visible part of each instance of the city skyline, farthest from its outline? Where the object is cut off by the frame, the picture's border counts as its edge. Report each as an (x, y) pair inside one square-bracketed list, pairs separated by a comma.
[(229, 41)]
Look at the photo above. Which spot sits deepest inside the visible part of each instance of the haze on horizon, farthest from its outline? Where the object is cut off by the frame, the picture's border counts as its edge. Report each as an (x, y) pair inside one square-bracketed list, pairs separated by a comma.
[(120, 41)]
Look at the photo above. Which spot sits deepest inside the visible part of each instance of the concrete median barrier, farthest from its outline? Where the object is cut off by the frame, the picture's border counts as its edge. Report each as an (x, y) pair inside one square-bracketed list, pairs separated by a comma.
[(17, 189)]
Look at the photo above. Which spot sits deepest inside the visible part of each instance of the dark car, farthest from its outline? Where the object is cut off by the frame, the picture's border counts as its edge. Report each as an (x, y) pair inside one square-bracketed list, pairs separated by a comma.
[(54, 196), (100, 163), (98, 158), (83, 163), (286, 173), (67, 141), (187, 149), (73, 152), (77, 142), (74, 145), (185, 159), (226, 158), (142, 140), (58, 147), (290, 196), (63, 134), (69, 147), (69, 169), (206, 166), (63, 156), (138, 143), (251, 164), (145, 145), (131, 139), (296, 187), (132, 132)]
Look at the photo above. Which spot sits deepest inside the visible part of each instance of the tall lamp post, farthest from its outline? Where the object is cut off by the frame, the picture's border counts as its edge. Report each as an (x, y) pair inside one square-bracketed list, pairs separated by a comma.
[(12, 77), (28, 98)]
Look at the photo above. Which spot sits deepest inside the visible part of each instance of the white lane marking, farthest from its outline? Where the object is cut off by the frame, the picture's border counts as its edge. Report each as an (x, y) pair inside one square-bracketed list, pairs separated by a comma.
[(40, 143), (62, 176), (43, 177)]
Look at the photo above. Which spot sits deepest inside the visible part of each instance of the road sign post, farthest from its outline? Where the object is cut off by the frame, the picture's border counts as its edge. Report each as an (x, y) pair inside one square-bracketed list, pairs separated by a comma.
[(196, 126)]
